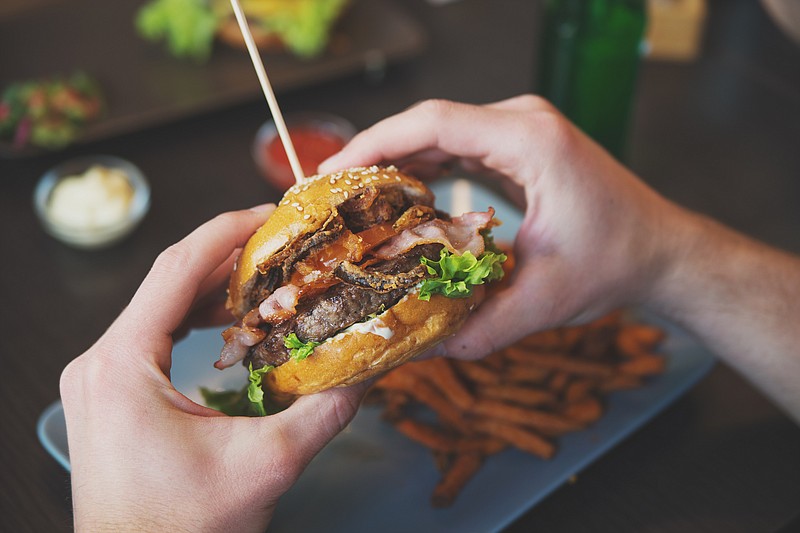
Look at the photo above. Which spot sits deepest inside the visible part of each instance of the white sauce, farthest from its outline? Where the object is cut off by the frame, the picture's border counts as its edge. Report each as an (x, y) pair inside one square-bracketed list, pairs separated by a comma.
[(376, 326), (97, 199)]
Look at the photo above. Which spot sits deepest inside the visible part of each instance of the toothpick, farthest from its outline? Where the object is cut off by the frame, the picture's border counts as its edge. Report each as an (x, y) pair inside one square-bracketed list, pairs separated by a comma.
[(462, 197), (297, 170)]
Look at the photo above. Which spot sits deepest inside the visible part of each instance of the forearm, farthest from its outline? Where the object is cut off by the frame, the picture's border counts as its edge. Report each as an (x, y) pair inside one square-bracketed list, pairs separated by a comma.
[(741, 298)]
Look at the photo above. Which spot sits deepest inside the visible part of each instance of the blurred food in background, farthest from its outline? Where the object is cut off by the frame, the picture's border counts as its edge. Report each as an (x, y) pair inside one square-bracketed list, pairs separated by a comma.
[(48, 113), (188, 28)]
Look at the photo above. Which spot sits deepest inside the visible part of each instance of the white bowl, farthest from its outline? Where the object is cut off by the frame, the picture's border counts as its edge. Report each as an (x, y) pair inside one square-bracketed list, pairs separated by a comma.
[(96, 237)]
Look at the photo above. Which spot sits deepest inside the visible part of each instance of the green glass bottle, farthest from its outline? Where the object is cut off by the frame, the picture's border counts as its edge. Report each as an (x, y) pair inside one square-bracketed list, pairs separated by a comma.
[(588, 64)]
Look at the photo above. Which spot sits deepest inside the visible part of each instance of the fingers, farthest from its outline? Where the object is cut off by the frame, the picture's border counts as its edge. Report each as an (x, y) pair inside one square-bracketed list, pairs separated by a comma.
[(433, 124), (427, 164), (217, 281), (514, 138), (182, 273), (208, 308)]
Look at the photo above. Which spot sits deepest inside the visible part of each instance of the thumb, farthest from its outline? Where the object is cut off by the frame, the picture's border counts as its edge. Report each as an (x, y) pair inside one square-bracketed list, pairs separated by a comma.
[(523, 307), (494, 325), (313, 420)]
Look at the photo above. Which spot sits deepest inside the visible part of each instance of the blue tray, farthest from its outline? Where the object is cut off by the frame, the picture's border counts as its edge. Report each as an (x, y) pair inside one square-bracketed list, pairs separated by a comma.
[(371, 478)]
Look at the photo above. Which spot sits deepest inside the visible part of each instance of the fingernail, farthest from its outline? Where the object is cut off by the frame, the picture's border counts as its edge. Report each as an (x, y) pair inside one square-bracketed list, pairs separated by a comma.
[(329, 165), (263, 208)]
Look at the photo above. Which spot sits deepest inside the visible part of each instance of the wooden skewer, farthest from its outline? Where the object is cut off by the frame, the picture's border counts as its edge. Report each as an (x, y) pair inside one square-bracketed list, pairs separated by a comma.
[(462, 197), (297, 170)]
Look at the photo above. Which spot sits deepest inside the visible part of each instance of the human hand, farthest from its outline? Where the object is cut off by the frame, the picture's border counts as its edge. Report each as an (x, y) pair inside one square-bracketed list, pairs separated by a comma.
[(145, 457), (593, 236)]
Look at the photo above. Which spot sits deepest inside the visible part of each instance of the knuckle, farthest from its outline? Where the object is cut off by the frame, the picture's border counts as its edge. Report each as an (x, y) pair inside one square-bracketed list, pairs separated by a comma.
[(85, 376), (534, 102), (550, 126), (175, 258), (70, 382), (436, 109)]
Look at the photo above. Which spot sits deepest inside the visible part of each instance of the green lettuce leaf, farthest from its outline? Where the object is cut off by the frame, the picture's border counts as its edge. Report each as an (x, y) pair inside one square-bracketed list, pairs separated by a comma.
[(248, 401), (186, 26), (306, 28), (454, 275), (254, 391), (297, 348), (230, 402)]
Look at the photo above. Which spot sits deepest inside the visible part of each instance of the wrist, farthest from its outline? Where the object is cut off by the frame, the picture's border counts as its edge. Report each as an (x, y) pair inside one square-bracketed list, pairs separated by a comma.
[(685, 248), (119, 511)]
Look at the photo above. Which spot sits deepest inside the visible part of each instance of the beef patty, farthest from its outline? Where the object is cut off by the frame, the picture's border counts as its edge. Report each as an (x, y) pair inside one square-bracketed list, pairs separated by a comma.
[(337, 308)]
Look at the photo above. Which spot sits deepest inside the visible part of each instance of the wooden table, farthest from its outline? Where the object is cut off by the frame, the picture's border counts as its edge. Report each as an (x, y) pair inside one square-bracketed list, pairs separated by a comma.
[(719, 135)]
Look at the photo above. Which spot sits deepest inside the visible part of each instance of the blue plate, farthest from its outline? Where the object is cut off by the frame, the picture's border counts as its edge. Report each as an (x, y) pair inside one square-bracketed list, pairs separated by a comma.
[(371, 478)]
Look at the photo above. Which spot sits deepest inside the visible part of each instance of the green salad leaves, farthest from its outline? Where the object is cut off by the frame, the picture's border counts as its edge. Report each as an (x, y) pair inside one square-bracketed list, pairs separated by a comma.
[(305, 28), (186, 26), (297, 348), (248, 401), (454, 275), (254, 391), (49, 113)]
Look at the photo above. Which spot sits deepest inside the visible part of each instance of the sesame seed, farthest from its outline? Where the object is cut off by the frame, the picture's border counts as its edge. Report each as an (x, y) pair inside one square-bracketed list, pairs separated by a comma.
[(348, 182), (299, 207), (306, 217), (346, 194)]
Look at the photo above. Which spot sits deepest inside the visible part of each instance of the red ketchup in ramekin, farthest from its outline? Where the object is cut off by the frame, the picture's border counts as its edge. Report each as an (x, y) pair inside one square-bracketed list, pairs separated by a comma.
[(315, 138)]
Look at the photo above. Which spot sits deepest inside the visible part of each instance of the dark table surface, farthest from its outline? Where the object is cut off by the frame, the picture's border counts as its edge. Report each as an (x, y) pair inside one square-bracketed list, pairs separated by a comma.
[(720, 135)]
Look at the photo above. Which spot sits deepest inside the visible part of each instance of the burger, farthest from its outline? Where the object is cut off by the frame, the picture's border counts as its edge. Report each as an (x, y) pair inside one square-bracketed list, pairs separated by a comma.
[(353, 274)]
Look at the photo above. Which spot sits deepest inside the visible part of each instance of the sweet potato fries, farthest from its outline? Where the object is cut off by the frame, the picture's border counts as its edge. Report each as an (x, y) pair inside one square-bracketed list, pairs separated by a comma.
[(524, 396)]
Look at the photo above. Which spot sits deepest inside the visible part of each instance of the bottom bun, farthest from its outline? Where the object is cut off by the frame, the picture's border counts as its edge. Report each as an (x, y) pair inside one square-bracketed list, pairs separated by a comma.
[(354, 356)]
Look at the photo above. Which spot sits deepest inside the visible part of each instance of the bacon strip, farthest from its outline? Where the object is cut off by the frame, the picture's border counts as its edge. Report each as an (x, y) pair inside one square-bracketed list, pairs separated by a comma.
[(280, 305), (238, 339), (459, 235)]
